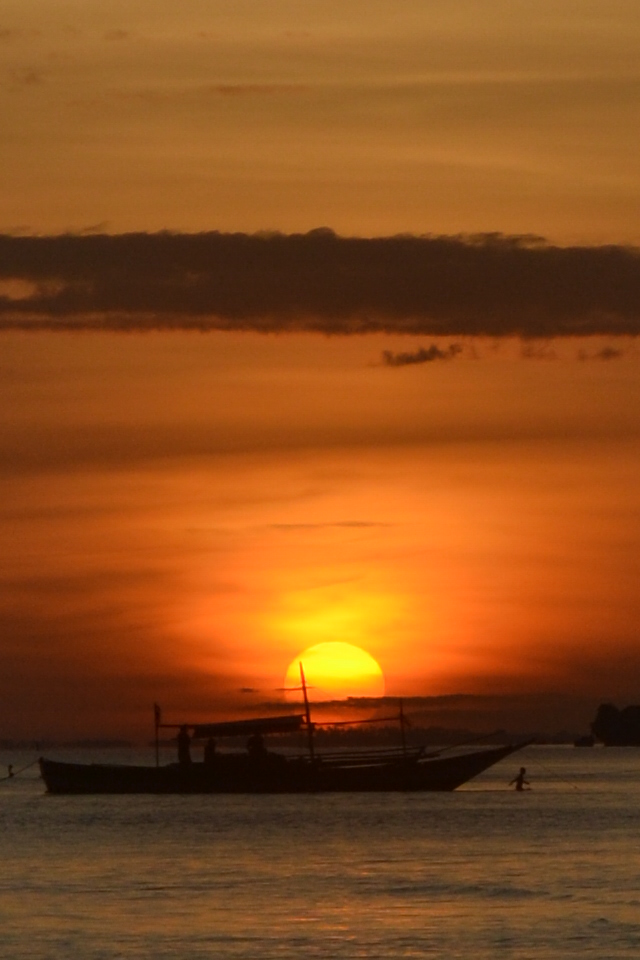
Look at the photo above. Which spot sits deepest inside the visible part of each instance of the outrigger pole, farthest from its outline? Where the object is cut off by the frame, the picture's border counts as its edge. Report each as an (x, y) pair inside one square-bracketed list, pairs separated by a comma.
[(307, 712), (157, 713)]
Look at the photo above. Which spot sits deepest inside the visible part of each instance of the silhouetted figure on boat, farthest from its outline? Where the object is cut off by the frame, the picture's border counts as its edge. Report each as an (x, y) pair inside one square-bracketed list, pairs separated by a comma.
[(256, 748), (184, 747), (520, 780), (10, 771), (210, 752)]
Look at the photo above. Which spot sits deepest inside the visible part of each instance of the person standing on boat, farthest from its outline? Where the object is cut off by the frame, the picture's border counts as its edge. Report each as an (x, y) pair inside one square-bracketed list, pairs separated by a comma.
[(210, 752), (520, 780), (184, 747)]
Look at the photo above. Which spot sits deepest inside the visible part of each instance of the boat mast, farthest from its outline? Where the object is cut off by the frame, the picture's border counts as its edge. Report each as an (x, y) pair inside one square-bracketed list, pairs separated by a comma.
[(307, 712)]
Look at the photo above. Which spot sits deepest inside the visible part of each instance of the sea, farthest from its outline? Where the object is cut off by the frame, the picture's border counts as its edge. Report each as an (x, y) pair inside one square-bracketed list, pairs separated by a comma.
[(480, 874)]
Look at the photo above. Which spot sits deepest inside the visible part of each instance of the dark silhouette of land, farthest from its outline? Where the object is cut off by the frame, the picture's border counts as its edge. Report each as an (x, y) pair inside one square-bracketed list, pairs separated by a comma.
[(617, 728)]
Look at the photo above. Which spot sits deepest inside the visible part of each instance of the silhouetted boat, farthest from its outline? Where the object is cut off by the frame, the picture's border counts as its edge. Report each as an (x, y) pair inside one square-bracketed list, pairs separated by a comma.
[(237, 773), (260, 771)]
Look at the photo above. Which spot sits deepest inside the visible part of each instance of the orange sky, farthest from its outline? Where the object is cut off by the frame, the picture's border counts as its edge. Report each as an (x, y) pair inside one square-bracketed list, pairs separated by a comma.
[(184, 512)]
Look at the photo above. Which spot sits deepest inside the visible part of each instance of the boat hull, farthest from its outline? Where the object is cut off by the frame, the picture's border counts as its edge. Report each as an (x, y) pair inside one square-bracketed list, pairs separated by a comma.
[(238, 773)]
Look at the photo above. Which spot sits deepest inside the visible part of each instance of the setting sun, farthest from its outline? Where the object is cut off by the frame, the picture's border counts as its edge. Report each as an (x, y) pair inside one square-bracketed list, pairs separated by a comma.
[(334, 671)]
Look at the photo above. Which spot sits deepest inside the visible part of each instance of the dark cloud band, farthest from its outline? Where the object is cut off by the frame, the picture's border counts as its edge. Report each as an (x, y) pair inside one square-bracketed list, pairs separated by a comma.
[(452, 286)]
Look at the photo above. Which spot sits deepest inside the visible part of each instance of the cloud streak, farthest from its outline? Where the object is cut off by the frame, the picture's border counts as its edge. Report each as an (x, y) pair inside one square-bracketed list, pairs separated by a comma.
[(422, 355), (487, 285)]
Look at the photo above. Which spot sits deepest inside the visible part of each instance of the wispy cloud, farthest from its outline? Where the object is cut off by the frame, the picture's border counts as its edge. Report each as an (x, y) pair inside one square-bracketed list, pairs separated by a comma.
[(338, 524), (538, 351), (198, 93), (435, 286), (259, 89), (26, 77), (422, 355), (606, 353), (8, 34), (117, 34)]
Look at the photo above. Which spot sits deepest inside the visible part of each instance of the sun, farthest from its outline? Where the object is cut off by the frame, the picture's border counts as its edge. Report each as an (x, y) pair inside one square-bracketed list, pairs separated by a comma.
[(335, 671)]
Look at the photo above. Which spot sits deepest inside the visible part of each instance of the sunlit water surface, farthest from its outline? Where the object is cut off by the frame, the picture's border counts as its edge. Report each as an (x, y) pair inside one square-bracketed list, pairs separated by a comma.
[(481, 873)]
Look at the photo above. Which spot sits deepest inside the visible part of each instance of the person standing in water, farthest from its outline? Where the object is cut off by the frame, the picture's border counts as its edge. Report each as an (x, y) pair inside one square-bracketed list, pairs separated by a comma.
[(520, 780)]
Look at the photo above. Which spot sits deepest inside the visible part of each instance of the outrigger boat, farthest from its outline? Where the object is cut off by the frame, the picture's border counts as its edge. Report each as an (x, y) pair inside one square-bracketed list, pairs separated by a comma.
[(258, 770), (265, 772), (236, 773)]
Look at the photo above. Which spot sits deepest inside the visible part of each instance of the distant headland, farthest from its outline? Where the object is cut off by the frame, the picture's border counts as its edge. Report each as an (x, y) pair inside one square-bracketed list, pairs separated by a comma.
[(617, 728)]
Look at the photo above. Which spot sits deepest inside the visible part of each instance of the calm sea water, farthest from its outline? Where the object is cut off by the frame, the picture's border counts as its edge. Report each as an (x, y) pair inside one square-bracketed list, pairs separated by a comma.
[(481, 873)]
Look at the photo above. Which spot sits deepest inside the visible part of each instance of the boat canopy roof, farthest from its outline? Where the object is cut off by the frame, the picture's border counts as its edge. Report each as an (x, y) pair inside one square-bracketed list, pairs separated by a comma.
[(244, 728)]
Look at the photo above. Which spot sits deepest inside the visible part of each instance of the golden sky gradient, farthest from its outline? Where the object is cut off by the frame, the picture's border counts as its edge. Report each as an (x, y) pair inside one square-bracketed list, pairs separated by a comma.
[(368, 116), (184, 512)]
